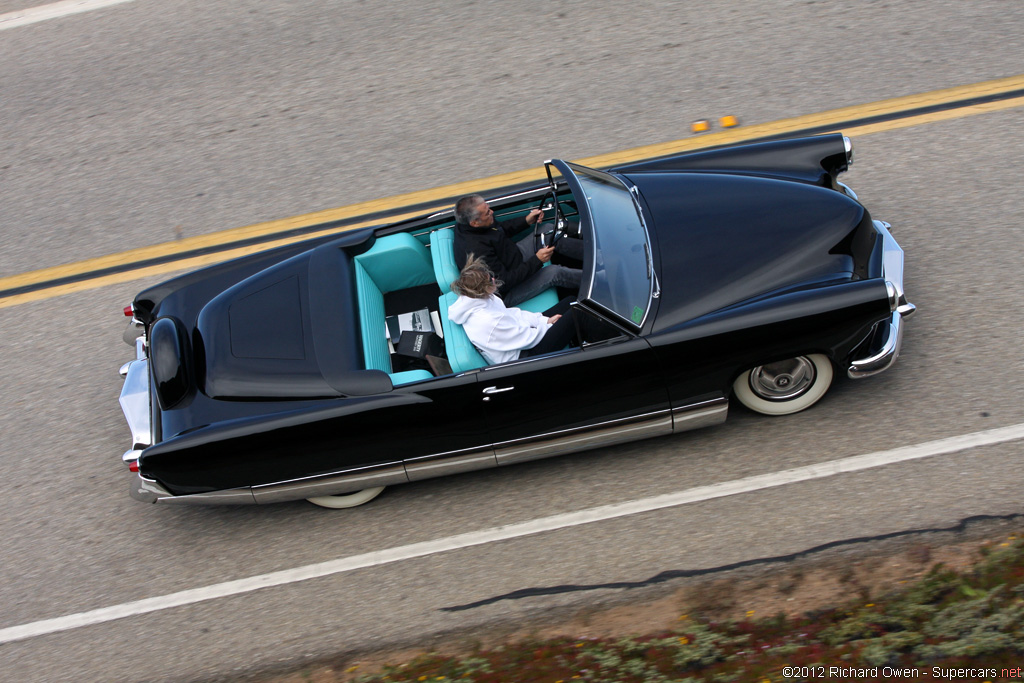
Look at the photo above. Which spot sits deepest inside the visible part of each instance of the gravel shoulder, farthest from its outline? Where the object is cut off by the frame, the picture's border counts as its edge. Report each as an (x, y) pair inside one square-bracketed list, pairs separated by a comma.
[(817, 579)]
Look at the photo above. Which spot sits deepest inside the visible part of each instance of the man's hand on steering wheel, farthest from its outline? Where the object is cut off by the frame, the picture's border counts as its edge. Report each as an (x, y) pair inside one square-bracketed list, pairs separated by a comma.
[(559, 229), (544, 254)]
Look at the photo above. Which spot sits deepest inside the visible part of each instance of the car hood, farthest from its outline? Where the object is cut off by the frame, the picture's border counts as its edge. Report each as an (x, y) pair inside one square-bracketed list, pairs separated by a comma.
[(724, 239)]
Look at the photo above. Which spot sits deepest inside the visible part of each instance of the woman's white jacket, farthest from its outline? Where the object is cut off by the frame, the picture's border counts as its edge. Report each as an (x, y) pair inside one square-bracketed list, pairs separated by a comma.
[(498, 332)]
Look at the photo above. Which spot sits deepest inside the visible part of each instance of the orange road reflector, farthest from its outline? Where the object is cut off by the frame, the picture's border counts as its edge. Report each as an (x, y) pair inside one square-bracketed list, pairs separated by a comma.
[(701, 126), (729, 121)]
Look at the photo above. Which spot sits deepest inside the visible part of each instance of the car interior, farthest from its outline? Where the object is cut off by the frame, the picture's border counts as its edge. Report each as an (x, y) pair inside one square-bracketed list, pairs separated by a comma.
[(413, 270)]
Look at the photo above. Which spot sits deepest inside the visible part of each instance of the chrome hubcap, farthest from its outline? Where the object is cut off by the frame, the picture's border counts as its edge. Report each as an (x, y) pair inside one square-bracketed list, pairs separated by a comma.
[(784, 380)]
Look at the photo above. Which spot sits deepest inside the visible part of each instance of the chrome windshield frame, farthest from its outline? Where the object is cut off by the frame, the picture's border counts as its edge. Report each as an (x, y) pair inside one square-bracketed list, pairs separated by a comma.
[(569, 172)]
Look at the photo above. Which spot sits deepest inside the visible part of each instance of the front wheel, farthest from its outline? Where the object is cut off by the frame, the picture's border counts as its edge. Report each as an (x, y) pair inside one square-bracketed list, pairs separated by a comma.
[(348, 500), (786, 386)]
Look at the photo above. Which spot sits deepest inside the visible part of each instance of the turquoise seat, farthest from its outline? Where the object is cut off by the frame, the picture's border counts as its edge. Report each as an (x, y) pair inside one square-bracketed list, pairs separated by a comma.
[(541, 302), (394, 262), (462, 355), (442, 257)]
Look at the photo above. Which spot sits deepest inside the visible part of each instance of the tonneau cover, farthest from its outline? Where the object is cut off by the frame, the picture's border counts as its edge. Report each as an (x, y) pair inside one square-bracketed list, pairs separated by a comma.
[(289, 331)]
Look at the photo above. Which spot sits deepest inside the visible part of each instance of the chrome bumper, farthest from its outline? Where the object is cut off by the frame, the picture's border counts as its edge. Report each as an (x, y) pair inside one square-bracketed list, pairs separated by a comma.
[(135, 404), (135, 399), (882, 358)]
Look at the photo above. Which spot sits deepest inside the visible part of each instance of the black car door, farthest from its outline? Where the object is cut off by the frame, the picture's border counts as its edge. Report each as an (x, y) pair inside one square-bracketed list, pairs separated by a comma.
[(445, 432), (577, 399)]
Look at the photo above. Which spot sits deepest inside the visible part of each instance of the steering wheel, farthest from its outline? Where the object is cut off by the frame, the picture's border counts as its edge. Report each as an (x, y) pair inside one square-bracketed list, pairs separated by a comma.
[(559, 231)]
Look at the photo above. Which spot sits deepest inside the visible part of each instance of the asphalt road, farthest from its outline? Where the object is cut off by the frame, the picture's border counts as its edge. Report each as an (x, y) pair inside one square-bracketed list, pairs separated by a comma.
[(148, 121)]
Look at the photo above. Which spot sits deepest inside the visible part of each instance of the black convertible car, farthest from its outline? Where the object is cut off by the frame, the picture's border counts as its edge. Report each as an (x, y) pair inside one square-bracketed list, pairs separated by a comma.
[(745, 272)]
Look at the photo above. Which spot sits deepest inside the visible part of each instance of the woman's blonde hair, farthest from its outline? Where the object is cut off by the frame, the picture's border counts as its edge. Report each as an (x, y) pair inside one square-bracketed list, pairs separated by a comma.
[(476, 280)]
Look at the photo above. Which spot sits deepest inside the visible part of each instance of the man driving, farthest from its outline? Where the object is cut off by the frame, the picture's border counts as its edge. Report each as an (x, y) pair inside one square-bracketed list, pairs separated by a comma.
[(520, 267)]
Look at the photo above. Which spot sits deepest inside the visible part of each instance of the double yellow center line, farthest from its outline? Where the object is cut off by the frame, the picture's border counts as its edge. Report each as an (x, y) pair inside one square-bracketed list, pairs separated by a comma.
[(194, 252)]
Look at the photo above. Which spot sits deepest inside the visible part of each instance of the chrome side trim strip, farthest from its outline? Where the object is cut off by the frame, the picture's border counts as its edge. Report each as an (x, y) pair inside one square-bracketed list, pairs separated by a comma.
[(149, 491), (451, 463), (330, 485), (584, 438), (698, 415), (703, 414)]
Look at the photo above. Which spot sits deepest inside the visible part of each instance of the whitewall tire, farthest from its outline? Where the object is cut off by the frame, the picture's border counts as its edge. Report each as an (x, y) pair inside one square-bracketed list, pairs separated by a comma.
[(785, 387), (348, 500)]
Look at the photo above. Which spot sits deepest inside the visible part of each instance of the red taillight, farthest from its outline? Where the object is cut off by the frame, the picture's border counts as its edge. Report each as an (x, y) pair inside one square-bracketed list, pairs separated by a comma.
[(129, 310), (133, 466)]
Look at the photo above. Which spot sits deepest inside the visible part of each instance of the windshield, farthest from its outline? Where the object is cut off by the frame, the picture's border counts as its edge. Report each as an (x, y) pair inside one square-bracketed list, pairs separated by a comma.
[(622, 273)]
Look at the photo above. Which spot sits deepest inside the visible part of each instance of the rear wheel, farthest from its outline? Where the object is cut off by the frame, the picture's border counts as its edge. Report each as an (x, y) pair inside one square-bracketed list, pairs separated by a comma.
[(785, 387), (348, 500)]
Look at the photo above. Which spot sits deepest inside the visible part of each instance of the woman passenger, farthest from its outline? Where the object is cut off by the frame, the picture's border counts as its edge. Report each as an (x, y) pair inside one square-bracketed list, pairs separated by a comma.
[(504, 334)]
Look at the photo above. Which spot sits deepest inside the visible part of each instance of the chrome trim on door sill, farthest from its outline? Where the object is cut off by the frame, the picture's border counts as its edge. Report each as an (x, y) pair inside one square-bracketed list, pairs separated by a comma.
[(699, 415), (452, 463), (331, 485), (703, 414), (584, 438)]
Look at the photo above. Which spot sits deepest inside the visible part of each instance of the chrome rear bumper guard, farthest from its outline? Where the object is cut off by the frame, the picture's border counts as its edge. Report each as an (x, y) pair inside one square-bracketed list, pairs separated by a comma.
[(884, 354), (149, 491)]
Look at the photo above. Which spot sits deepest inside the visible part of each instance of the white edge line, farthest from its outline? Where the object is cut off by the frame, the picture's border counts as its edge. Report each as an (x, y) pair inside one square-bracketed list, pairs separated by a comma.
[(510, 531), (55, 10)]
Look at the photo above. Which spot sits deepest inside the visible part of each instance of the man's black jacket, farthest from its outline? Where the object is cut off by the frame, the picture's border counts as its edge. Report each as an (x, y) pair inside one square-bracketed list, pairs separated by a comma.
[(495, 245)]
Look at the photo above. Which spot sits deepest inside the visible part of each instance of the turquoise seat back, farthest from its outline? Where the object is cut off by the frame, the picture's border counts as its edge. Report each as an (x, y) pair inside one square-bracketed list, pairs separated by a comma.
[(541, 302), (442, 256), (462, 355), (394, 262), (371, 321)]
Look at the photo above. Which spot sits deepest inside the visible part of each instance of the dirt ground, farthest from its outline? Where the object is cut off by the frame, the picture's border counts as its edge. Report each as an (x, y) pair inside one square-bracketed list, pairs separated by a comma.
[(794, 586)]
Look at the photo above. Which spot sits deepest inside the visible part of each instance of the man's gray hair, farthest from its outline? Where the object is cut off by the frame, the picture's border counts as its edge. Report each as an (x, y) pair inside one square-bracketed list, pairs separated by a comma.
[(466, 210)]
